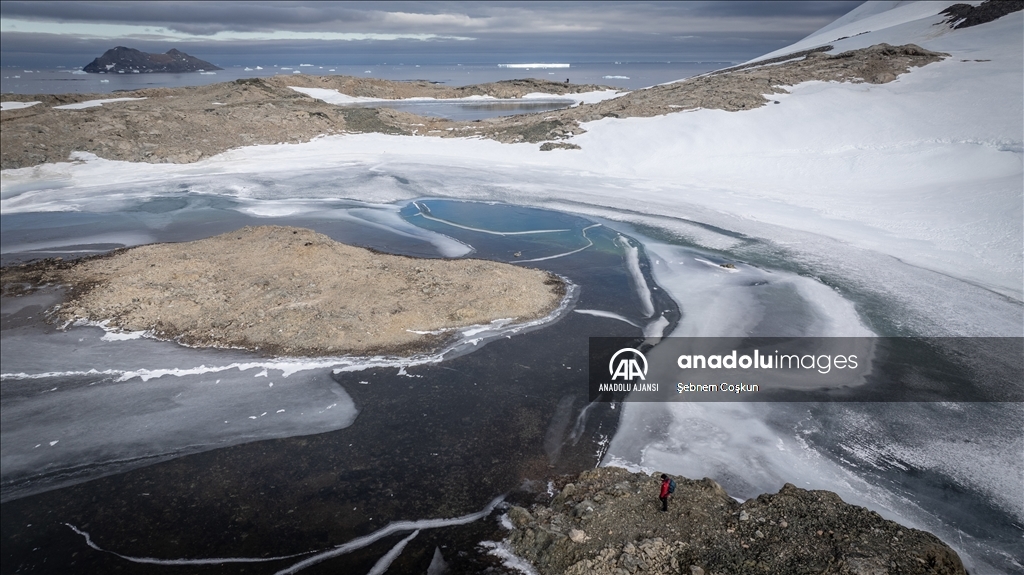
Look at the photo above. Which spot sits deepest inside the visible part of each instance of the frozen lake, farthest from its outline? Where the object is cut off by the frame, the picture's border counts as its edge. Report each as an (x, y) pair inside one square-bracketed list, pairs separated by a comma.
[(125, 439), (847, 210)]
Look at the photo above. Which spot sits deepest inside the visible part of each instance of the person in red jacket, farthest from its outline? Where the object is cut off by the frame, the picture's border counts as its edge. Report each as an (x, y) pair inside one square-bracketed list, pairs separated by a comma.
[(664, 492)]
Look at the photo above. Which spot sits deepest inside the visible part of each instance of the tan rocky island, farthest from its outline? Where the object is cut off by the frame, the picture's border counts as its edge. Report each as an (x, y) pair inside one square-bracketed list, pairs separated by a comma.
[(292, 291)]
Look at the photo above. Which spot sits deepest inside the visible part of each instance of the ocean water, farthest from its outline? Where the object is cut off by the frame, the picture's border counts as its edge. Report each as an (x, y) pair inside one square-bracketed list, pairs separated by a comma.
[(206, 458), (626, 75)]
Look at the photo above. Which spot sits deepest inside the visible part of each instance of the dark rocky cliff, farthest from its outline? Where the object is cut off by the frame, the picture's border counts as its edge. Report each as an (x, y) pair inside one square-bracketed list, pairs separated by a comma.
[(608, 521), (121, 60)]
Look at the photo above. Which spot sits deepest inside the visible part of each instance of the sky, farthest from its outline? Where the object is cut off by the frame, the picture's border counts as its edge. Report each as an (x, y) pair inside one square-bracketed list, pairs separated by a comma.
[(51, 34)]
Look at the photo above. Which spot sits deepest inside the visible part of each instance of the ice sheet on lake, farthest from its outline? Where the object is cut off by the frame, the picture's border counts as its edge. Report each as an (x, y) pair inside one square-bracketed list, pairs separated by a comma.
[(749, 301), (580, 97), (425, 214), (930, 301), (392, 221), (590, 244), (86, 244), (383, 217), (101, 413), (643, 291), (87, 430)]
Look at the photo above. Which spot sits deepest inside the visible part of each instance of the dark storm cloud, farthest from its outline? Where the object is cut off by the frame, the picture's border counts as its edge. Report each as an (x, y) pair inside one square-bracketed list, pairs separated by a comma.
[(194, 17), (721, 31), (828, 10), (433, 17)]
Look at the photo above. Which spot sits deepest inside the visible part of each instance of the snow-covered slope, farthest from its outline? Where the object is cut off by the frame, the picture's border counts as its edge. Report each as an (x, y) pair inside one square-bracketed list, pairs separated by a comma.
[(885, 21), (865, 10), (926, 168)]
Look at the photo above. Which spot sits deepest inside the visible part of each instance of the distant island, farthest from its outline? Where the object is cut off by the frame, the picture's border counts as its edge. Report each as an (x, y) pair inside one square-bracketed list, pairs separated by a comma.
[(121, 60)]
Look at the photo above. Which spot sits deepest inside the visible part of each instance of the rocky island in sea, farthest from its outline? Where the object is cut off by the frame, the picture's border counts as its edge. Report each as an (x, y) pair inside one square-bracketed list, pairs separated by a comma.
[(121, 60)]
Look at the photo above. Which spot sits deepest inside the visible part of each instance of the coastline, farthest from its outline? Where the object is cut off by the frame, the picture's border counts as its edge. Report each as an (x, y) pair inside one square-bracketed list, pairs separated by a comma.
[(184, 125)]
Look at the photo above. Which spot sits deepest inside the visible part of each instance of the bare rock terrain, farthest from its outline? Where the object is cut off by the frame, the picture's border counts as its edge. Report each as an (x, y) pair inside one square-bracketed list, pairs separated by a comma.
[(290, 291), (182, 125), (608, 521)]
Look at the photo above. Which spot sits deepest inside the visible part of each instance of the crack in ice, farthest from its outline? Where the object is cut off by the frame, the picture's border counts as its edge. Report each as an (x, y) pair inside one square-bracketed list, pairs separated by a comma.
[(425, 212)]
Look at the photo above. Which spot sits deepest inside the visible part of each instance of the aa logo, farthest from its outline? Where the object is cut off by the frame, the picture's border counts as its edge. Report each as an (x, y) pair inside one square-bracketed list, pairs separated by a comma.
[(627, 367)]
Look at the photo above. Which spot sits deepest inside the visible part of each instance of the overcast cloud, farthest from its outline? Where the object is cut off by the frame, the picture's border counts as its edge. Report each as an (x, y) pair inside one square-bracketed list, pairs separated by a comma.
[(72, 33)]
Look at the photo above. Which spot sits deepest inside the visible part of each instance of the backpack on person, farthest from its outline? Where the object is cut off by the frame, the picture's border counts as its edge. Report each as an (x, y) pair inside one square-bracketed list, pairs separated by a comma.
[(671, 486)]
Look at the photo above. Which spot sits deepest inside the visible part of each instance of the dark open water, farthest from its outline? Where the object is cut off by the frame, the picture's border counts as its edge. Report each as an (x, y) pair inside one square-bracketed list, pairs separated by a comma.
[(428, 442)]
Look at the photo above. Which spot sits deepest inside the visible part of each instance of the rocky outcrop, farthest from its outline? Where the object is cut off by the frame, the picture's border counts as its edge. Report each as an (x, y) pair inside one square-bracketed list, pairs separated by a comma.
[(608, 521), (964, 15), (745, 88), (121, 60), (172, 125), (548, 146), (291, 291), (183, 125)]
